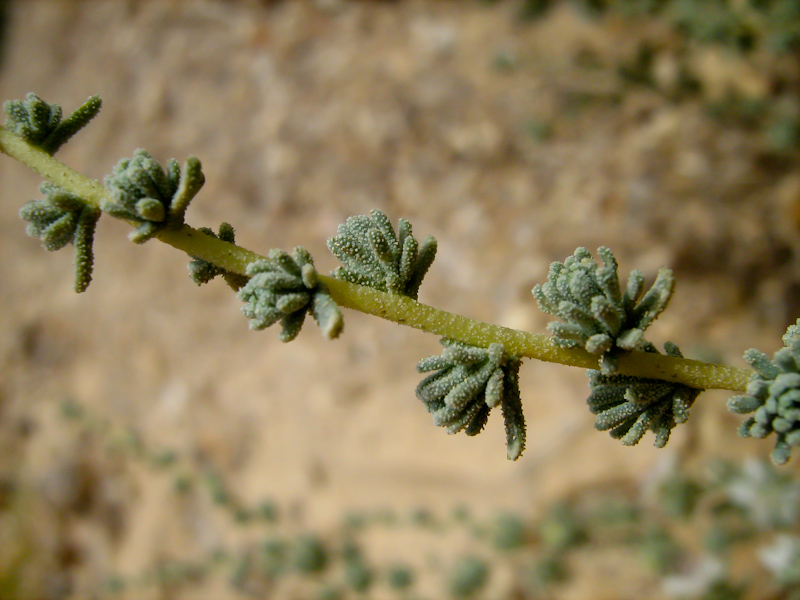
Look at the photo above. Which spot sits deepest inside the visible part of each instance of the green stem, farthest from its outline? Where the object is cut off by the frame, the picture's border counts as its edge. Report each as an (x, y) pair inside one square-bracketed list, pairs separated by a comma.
[(393, 307), (50, 168), (406, 311)]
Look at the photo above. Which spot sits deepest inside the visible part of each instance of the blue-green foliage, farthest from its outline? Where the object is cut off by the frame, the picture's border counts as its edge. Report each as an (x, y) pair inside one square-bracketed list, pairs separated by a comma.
[(598, 316), (467, 384), (508, 532), (62, 218), (373, 255), (150, 196), (285, 288), (773, 395), (768, 498), (561, 529), (743, 25), (468, 577), (400, 577), (309, 554), (358, 574), (782, 559), (40, 123), (679, 495), (659, 551), (630, 406), (545, 572), (773, 24), (753, 30)]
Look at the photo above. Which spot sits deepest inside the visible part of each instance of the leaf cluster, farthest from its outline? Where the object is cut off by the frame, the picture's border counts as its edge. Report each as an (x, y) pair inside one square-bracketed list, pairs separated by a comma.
[(62, 218), (375, 256), (146, 194), (742, 25), (285, 288), (467, 384), (773, 395), (598, 316), (40, 123), (630, 406)]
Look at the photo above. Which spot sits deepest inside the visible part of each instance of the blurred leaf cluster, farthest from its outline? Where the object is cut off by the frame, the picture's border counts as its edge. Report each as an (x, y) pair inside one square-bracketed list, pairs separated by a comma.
[(764, 34), (726, 530)]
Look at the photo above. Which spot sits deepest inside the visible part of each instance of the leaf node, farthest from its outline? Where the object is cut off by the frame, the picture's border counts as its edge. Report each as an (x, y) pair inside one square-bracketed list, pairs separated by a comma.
[(773, 396), (629, 406), (597, 315), (62, 218), (40, 123), (146, 194), (285, 288), (373, 255), (202, 271), (467, 384)]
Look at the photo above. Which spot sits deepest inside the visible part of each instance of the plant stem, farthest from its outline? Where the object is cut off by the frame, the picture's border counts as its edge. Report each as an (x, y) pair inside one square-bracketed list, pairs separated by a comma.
[(393, 307), (50, 168), (406, 311)]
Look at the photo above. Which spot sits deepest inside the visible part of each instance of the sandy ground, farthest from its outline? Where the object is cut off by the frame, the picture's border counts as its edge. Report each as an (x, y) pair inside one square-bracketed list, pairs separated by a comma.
[(490, 134)]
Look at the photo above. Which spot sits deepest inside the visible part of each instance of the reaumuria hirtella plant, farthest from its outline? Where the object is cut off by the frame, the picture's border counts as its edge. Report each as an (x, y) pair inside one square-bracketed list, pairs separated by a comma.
[(601, 326)]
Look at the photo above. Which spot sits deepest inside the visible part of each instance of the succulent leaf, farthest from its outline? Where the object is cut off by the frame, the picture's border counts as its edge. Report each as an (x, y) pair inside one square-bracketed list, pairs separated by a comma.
[(84, 246), (285, 288), (597, 315), (373, 255), (629, 406), (773, 396), (145, 193), (467, 383)]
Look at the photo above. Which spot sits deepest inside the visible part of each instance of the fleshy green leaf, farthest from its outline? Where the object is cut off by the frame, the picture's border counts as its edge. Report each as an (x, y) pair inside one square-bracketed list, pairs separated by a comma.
[(467, 383)]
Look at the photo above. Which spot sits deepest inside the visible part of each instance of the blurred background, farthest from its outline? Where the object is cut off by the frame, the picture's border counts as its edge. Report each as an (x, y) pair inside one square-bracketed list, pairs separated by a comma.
[(151, 446)]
